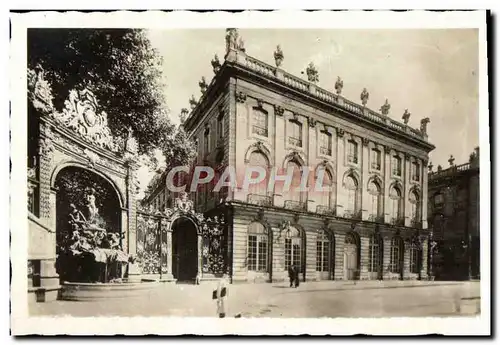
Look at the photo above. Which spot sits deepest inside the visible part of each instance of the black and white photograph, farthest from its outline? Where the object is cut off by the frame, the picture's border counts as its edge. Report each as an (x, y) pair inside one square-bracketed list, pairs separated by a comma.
[(241, 169)]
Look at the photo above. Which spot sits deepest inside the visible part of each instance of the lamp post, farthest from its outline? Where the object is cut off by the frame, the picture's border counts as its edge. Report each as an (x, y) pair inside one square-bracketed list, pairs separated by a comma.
[(466, 245)]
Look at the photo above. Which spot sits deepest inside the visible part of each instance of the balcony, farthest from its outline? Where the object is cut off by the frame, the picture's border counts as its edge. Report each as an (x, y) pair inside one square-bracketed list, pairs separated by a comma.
[(295, 141), (259, 130), (325, 151), (352, 159), (295, 205), (261, 200), (375, 218), (399, 221), (326, 210), (415, 223), (352, 214)]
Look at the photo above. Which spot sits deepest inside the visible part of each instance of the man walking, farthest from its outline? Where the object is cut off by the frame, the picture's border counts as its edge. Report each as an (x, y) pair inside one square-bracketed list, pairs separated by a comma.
[(291, 275), (296, 275)]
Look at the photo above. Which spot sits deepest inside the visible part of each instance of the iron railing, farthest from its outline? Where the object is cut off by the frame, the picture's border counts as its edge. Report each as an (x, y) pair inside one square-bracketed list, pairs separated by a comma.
[(261, 200), (295, 205)]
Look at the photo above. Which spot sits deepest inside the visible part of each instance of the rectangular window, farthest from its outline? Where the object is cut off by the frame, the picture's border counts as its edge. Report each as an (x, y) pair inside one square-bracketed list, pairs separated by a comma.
[(292, 253), (252, 253), (374, 257), (396, 166), (415, 171), (395, 260), (322, 256), (376, 159), (414, 259), (206, 141), (257, 253), (325, 143), (259, 125), (352, 151), (220, 126), (295, 137)]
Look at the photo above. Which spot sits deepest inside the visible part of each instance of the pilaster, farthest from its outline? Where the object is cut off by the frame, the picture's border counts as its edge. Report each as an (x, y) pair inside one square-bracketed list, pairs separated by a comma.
[(365, 175), (406, 184)]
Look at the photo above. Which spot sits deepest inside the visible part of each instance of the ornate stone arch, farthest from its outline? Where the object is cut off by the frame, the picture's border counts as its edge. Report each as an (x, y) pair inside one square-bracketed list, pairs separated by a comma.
[(53, 177), (328, 167), (375, 178), (261, 147), (294, 156), (396, 184), (352, 172)]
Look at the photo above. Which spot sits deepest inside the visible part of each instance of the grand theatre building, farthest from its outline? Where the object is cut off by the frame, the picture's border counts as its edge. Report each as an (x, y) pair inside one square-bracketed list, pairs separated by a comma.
[(371, 224)]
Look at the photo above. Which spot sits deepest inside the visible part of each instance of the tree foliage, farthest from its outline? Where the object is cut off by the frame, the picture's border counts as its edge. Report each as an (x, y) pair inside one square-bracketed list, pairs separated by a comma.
[(119, 65)]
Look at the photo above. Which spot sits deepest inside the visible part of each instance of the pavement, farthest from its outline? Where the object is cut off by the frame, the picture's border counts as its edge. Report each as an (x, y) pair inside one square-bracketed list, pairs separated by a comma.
[(311, 299)]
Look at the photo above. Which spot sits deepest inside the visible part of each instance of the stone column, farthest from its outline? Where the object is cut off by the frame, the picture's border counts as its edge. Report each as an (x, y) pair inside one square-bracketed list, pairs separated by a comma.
[(124, 229), (340, 159), (365, 175), (386, 163), (200, 255), (279, 150), (169, 275), (406, 184), (424, 197)]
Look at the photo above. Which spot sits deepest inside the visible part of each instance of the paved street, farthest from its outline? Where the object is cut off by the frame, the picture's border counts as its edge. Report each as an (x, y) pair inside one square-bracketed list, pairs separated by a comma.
[(317, 299)]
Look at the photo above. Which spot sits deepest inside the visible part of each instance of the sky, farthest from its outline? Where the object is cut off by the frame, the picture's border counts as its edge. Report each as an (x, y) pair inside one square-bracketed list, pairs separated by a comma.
[(431, 72)]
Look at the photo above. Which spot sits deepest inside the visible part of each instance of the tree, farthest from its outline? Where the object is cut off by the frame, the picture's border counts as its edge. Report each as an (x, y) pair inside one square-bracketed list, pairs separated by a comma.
[(119, 66)]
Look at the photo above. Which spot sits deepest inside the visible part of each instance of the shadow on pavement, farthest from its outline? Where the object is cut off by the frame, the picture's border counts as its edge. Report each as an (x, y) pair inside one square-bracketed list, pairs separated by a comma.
[(360, 287)]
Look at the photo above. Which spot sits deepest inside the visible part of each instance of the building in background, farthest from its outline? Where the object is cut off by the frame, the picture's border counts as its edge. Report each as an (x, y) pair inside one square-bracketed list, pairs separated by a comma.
[(373, 222), (454, 218)]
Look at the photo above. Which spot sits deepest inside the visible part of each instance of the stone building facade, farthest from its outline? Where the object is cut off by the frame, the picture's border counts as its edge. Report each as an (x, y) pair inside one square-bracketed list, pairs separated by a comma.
[(372, 224), (453, 210)]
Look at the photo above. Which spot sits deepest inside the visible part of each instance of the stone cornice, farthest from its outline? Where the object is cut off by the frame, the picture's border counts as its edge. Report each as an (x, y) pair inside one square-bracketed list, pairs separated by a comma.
[(232, 69)]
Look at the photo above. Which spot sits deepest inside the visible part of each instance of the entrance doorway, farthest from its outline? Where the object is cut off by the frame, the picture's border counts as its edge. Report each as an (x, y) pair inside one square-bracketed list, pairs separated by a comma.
[(184, 250), (350, 257)]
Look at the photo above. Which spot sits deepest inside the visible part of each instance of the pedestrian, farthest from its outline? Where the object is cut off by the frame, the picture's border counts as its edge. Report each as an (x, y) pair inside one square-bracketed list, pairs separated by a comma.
[(221, 295), (296, 275), (291, 275)]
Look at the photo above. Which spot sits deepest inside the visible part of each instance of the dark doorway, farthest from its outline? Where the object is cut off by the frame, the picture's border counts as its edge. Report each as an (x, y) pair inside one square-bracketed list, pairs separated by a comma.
[(184, 250)]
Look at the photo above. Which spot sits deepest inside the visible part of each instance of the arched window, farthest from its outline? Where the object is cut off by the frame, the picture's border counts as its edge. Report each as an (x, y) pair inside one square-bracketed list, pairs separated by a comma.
[(257, 247), (395, 196), (374, 256), (295, 136), (374, 191), (351, 186), (294, 194), (293, 248), (415, 256), (258, 159), (323, 252), (414, 203), (352, 151), (396, 255), (260, 123), (327, 184)]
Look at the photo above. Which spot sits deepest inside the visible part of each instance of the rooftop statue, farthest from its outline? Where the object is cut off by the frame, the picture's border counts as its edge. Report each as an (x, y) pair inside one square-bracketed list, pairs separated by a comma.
[(216, 64), (312, 73), (384, 109), (364, 97), (231, 39), (278, 56), (423, 125), (406, 116), (339, 84), (203, 85), (192, 102)]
